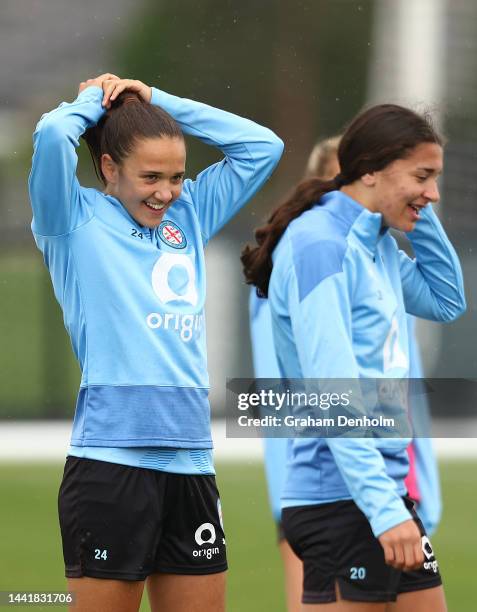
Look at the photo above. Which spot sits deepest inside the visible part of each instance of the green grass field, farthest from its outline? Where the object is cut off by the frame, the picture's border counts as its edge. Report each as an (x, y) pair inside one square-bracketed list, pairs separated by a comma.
[(30, 549)]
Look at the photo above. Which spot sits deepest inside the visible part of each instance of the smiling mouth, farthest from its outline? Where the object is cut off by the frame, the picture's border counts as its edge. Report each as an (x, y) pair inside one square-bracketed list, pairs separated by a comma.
[(416, 209), (154, 206)]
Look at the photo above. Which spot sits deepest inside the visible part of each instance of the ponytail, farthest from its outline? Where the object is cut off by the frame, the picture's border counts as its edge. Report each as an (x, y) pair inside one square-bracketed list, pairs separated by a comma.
[(257, 260)]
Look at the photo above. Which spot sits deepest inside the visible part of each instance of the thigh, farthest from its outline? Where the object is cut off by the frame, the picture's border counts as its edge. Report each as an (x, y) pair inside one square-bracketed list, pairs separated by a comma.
[(427, 577), (110, 520), (192, 540), (337, 547), (105, 595), (420, 601), (180, 593), (293, 568), (342, 605)]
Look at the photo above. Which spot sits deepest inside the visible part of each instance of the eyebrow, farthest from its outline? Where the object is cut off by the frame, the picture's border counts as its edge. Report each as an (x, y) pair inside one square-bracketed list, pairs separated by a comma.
[(430, 170), (159, 173)]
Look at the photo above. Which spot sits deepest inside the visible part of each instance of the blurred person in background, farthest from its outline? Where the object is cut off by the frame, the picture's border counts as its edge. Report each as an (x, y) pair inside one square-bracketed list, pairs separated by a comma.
[(422, 481), (138, 501), (346, 510), (322, 162)]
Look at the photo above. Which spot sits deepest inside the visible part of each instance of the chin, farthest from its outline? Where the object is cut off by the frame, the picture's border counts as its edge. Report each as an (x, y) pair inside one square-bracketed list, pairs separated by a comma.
[(401, 226), (408, 227), (151, 224), (146, 221)]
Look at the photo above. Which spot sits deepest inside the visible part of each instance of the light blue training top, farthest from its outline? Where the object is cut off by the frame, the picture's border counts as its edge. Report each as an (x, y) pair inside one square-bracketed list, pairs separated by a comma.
[(133, 298), (276, 449), (338, 295)]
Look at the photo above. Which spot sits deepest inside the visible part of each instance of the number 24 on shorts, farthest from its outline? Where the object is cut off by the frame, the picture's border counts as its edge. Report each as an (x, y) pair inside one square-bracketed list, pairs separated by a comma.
[(100, 554)]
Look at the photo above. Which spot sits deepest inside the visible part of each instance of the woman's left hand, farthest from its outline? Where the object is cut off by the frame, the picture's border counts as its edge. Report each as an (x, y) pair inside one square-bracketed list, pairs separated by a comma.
[(112, 88)]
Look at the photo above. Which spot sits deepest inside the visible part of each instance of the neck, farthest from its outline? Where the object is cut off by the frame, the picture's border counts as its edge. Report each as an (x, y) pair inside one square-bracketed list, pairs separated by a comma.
[(360, 194), (108, 190)]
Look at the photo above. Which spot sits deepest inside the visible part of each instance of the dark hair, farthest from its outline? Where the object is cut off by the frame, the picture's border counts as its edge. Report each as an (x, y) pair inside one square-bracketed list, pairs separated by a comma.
[(375, 138), (128, 120)]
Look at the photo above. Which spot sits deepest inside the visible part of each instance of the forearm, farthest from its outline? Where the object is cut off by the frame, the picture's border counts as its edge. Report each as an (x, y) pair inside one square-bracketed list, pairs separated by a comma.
[(70, 120), (52, 182), (214, 126), (363, 469), (432, 283), (251, 153)]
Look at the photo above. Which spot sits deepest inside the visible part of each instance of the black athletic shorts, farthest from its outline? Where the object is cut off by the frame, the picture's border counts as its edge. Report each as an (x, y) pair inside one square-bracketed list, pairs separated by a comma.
[(336, 545), (124, 523)]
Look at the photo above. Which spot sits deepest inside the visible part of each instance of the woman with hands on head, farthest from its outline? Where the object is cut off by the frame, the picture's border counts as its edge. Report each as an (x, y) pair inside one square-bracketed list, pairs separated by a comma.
[(138, 502), (338, 289)]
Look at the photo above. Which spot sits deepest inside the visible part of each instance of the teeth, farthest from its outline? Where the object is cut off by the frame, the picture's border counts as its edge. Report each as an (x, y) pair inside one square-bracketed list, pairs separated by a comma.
[(154, 205)]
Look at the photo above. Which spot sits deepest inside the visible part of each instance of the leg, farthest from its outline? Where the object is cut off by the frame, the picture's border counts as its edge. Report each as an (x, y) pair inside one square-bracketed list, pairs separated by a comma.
[(187, 593), (343, 605), (105, 595), (293, 576), (420, 601)]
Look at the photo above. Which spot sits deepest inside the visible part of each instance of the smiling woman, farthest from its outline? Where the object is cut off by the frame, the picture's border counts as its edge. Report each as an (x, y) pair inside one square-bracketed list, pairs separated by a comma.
[(128, 268), (139, 154), (338, 290)]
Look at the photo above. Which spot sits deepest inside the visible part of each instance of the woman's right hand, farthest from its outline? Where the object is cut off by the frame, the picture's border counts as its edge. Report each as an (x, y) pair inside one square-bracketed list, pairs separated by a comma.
[(113, 87), (98, 81), (402, 546)]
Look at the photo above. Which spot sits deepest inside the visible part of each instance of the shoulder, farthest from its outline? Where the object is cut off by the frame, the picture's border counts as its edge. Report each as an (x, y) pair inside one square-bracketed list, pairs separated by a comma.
[(316, 246)]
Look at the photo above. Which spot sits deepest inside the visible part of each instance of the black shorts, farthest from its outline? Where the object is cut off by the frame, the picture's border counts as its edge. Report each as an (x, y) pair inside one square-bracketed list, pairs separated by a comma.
[(336, 545), (125, 523)]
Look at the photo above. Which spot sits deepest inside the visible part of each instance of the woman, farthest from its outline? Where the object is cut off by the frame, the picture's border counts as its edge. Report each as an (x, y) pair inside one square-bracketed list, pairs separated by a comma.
[(422, 481), (138, 499), (338, 289)]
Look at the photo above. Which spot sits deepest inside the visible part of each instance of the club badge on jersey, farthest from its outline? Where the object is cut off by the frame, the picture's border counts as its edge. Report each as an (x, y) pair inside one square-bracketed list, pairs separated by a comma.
[(172, 235)]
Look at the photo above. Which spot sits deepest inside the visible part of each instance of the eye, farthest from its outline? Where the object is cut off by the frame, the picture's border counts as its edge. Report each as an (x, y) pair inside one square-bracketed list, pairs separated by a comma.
[(177, 179), (421, 178)]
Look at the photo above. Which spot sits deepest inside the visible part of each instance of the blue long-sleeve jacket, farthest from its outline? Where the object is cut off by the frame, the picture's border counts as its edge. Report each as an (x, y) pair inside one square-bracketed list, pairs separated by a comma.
[(133, 298), (265, 366), (276, 450), (338, 295)]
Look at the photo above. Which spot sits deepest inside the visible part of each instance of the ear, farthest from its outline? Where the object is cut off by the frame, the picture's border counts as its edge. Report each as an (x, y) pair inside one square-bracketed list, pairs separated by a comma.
[(109, 168), (369, 179)]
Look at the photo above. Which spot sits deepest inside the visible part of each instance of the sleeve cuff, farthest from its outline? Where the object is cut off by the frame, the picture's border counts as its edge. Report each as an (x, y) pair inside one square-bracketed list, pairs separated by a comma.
[(400, 515)]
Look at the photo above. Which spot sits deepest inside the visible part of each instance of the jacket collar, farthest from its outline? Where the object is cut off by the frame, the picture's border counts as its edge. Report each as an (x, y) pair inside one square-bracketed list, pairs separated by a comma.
[(365, 225)]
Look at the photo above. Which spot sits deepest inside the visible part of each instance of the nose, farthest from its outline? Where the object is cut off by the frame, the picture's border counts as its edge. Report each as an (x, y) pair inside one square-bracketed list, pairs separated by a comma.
[(432, 192), (164, 195)]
